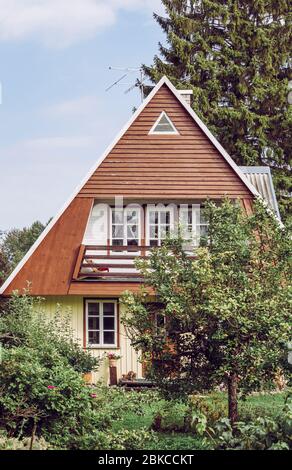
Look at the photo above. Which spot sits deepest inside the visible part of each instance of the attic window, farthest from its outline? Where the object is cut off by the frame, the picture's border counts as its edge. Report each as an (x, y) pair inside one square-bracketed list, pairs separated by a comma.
[(163, 125)]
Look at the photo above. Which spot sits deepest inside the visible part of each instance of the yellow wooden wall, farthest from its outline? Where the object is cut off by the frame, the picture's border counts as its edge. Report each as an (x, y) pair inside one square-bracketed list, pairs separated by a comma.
[(72, 307)]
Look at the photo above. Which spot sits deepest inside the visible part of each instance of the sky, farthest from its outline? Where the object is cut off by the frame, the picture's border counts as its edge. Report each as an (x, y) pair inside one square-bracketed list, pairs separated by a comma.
[(56, 118)]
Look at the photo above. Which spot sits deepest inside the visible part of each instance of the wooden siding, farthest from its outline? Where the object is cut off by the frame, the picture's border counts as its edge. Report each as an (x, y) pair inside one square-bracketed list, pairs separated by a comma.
[(73, 307), (105, 289), (139, 167), (50, 268), (164, 166)]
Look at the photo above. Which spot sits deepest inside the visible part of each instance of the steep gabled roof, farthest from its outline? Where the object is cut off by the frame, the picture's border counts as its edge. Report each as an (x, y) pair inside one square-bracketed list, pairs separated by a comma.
[(90, 188), (155, 166)]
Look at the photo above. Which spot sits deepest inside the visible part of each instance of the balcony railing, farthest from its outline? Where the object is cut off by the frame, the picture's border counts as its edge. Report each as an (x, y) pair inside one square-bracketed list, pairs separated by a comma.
[(108, 262)]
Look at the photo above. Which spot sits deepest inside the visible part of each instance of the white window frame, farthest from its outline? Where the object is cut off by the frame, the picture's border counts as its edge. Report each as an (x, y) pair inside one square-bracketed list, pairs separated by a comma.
[(125, 224), (173, 132), (101, 330), (196, 224), (159, 210)]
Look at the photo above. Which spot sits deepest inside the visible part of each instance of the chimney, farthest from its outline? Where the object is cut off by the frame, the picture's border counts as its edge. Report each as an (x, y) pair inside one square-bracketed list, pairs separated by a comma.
[(186, 95)]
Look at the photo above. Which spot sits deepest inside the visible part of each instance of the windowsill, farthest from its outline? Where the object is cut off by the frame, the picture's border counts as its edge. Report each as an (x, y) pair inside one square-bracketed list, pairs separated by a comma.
[(102, 347)]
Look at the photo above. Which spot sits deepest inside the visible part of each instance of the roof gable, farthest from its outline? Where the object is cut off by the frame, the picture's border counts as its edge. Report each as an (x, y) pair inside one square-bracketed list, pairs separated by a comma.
[(185, 164), (185, 172)]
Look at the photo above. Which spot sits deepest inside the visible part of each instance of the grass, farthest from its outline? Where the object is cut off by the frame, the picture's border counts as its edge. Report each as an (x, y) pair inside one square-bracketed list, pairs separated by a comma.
[(269, 404)]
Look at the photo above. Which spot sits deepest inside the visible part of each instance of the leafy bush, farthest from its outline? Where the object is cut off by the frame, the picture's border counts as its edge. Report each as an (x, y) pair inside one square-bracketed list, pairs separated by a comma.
[(44, 396), (263, 433), (42, 392), (170, 417), (200, 412), (211, 406), (12, 443), (22, 323), (125, 439)]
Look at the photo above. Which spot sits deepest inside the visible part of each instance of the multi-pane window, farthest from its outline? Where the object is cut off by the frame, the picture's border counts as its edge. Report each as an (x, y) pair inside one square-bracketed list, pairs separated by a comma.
[(193, 224), (125, 226), (160, 224), (101, 323)]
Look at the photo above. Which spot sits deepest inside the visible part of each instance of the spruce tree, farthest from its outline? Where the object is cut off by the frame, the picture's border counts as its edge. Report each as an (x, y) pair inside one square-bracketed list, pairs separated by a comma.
[(234, 55)]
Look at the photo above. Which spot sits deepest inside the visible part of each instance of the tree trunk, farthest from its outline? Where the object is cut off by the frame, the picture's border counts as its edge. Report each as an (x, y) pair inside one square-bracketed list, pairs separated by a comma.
[(232, 399)]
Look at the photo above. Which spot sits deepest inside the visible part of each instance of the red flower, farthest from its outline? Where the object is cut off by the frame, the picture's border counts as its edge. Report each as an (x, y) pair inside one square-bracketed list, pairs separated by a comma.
[(51, 387), (93, 395)]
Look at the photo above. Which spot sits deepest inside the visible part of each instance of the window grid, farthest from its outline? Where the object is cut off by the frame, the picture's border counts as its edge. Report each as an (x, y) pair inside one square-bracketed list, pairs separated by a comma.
[(125, 226), (105, 335), (193, 224), (159, 225)]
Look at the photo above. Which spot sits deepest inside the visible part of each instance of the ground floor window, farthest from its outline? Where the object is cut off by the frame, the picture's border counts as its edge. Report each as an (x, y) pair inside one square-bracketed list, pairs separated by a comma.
[(101, 323)]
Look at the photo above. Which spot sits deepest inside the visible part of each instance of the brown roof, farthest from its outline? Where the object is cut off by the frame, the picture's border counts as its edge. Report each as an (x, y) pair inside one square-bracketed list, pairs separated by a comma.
[(189, 165), (166, 166)]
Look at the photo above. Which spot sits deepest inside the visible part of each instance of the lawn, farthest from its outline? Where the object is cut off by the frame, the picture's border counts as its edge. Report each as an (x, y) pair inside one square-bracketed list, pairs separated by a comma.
[(269, 404)]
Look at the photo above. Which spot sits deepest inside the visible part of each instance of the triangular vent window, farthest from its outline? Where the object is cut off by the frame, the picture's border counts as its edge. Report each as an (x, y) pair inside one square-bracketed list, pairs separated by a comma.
[(163, 125)]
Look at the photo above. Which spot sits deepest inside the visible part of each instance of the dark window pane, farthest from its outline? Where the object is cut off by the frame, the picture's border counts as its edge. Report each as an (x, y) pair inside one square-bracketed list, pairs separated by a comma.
[(132, 242), (118, 242), (93, 337), (108, 308), (153, 242), (109, 323), (93, 308), (160, 320), (190, 216), (93, 323), (109, 337)]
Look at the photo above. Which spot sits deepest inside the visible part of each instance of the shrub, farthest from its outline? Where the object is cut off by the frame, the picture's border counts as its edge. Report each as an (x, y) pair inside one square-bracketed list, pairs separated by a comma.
[(22, 323), (12, 443), (170, 417), (125, 439), (211, 406), (45, 398), (42, 392), (263, 433)]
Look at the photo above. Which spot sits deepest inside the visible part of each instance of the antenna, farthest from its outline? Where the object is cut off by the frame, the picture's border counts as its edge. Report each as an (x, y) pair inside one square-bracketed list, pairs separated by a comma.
[(139, 83)]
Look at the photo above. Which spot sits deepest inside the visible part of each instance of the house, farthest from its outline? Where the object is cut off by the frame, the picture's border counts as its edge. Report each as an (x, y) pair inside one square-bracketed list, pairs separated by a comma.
[(158, 171)]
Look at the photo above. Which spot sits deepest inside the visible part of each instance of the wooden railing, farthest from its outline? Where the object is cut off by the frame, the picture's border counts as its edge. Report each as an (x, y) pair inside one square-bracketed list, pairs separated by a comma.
[(109, 262), (106, 262)]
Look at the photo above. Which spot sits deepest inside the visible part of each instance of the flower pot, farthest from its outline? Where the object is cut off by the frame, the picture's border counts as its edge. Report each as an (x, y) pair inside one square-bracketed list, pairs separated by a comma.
[(87, 377), (112, 362)]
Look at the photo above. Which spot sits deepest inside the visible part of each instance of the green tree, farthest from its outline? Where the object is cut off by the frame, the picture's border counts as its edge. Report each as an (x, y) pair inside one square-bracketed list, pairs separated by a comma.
[(227, 312), (234, 55), (14, 244), (4, 267)]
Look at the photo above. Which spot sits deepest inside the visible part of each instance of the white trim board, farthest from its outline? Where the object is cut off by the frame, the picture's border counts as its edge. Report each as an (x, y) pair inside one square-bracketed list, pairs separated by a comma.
[(163, 81), (174, 130)]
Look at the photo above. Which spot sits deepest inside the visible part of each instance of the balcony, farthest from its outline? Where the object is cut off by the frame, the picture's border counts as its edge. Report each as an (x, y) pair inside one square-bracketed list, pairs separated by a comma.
[(109, 263)]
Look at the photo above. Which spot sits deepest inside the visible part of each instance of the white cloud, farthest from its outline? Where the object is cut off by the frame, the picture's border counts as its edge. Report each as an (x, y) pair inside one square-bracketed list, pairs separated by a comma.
[(79, 107), (58, 143), (60, 23)]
